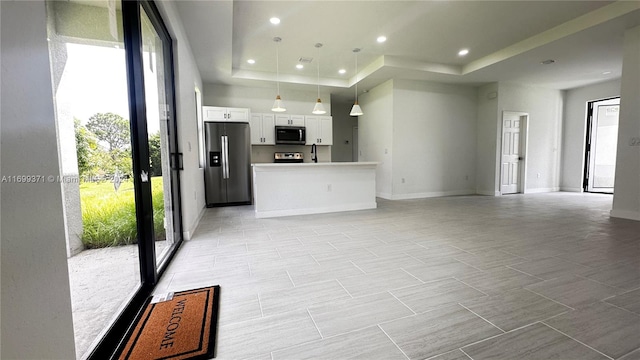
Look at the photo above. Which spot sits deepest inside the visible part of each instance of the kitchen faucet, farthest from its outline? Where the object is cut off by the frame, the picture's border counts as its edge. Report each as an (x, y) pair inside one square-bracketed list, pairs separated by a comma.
[(314, 153)]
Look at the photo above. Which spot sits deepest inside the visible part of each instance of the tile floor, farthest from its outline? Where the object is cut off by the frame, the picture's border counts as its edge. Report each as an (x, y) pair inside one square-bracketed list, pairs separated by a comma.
[(515, 277)]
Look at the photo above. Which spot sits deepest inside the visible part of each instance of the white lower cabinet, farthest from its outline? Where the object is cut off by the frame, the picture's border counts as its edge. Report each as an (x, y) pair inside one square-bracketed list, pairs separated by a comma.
[(262, 129)]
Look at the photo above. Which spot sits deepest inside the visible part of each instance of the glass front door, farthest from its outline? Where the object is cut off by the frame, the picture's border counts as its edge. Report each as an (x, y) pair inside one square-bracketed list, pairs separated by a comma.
[(602, 142)]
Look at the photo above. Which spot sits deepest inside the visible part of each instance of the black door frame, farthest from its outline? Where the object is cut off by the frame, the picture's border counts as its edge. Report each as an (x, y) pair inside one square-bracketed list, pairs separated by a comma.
[(587, 146), (149, 272)]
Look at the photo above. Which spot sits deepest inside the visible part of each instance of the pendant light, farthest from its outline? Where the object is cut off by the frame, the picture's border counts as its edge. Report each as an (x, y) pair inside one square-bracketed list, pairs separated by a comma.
[(356, 110), (277, 105), (318, 109)]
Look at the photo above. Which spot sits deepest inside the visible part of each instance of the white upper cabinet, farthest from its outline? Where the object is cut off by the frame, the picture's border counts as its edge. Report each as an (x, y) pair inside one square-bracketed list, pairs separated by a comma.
[(289, 120), (262, 129), (326, 130), (220, 114), (319, 130), (311, 128)]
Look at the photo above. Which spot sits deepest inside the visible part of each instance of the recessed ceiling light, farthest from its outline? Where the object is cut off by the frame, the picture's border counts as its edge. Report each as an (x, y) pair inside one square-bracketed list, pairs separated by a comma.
[(251, 61), (606, 73), (299, 66), (274, 20), (381, 39), (547, 62), (463, 52), (342, 71)]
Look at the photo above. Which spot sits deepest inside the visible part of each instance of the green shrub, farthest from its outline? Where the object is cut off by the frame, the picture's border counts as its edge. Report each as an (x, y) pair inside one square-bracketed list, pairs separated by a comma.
[(109, 217)]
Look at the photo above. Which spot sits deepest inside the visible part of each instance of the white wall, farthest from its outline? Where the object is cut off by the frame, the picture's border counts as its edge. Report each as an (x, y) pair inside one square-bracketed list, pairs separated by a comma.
[(626, 198), (187, 78), (343, 125), (375, 134), (36, 302), (488, 134), (574, 130), (544, 107), (434, 139)]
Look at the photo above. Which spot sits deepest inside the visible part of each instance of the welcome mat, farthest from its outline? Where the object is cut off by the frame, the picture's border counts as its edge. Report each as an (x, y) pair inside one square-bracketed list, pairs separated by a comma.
[(179, 325)]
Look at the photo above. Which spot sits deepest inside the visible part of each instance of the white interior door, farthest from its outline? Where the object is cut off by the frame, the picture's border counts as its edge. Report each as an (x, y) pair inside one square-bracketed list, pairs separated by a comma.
[(603, 146), (511, 154)]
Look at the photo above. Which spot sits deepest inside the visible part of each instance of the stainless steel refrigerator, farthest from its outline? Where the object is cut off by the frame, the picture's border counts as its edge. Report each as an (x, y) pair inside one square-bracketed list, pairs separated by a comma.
[(228, 172)]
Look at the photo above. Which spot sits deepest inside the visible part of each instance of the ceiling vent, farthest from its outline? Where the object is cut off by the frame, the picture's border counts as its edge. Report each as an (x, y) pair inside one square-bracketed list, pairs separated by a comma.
[(305, 60)]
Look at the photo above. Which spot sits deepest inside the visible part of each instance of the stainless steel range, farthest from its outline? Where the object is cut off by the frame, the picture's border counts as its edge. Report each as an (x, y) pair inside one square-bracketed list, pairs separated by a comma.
[(288, 157)]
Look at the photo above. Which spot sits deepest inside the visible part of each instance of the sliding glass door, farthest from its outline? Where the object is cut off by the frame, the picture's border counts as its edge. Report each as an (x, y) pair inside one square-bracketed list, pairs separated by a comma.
[(112, 67), (164, 161)]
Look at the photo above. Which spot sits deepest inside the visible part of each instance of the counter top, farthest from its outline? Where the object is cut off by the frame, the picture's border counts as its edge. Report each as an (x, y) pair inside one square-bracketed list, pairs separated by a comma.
[(311, 164)]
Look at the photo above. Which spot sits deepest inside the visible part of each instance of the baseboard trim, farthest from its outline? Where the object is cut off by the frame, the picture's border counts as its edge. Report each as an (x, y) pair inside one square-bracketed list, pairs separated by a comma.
[(432, 194), (385, 196), (541, 190), (187, 235), (625, 214), (571, 189), (488, 192)]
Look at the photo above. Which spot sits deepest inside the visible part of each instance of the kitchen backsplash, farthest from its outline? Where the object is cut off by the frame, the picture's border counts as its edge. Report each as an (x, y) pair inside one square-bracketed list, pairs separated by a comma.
[(264, 153)]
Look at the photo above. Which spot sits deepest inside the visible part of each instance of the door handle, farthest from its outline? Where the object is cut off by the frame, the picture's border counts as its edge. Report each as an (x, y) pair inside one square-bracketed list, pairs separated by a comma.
[(225, 157), (520, 158), (176, 161)]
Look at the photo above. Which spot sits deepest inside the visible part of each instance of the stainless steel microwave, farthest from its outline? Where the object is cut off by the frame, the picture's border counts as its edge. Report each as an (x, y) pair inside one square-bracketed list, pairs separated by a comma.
[(292, 135)]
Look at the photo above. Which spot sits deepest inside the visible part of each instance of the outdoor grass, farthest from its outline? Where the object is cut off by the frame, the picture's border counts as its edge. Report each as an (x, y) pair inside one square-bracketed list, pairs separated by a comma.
[(109, 216)]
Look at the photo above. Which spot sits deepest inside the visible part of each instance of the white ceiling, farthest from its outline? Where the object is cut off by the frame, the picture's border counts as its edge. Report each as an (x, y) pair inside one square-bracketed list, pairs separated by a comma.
[(507, 41)]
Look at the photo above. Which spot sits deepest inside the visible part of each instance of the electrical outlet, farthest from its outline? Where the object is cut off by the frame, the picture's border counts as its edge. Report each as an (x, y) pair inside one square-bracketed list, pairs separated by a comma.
[(466, 177), (329, 187), (403, 180), (538, 175), (386, 151)]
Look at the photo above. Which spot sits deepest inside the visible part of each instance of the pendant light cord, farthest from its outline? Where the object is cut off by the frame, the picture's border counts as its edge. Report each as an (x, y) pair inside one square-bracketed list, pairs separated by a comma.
[(355, 51), (278, 65), (318, 45)]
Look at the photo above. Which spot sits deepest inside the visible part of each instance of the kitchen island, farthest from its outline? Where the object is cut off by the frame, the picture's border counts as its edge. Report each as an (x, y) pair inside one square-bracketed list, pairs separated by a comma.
[(285, 189)]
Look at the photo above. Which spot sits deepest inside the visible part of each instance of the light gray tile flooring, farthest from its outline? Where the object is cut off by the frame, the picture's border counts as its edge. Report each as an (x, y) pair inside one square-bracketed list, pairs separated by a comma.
[(525, 276), (533, 342)]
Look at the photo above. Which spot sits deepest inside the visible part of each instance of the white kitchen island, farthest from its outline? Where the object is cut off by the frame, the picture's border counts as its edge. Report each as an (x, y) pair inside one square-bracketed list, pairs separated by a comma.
[(284, 189)]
